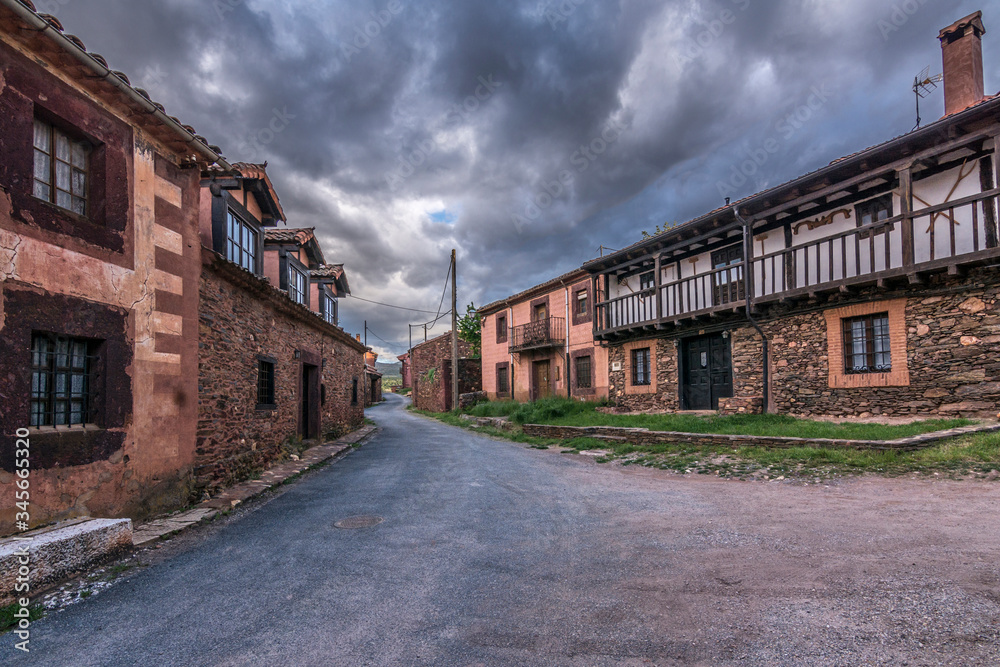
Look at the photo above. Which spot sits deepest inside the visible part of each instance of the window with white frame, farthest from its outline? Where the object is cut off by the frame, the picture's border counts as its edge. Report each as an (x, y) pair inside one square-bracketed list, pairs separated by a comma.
[(329, 307), (241, 243), (298, 285)]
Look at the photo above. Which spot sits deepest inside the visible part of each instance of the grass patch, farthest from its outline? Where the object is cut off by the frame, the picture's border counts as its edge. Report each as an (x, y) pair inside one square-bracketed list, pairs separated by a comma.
[(8, 621), (567, 412), (977, 455)]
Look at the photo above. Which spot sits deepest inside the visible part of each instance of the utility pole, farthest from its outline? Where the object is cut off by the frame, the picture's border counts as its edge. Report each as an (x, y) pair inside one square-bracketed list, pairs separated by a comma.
[(454, 331), (410, 331), (366, 333), (425, 333)]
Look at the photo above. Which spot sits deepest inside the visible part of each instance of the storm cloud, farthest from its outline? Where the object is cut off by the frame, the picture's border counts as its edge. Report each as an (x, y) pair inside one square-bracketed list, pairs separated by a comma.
[(524, 133)]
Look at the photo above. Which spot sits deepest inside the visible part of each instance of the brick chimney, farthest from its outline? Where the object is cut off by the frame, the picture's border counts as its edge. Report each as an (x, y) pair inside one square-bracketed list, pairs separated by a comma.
[(962, 47)]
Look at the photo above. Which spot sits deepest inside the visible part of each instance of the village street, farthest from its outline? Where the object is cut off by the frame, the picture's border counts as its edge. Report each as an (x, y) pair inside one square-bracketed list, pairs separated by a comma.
[(491, 553)]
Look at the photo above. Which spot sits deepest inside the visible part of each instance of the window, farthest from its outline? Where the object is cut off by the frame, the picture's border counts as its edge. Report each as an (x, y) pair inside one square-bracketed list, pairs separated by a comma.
[(265, 383), (727, 285), (241, 243), (503, 380), (60, 168), (581, 302), (297, 285), (867, 345), (62, 391), (329, 306), (354, 392), (646, 281), (501, 328), (541, 312), (641, 375), (872, 211), (583, 379)]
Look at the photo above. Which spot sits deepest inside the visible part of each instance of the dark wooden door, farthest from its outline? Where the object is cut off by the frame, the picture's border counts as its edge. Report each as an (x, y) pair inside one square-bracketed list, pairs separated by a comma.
[(541, 381), (309, 402), (708, 372)]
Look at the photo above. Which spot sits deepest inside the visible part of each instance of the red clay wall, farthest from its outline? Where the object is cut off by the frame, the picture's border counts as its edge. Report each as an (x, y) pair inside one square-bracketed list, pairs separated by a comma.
[(431, 364)]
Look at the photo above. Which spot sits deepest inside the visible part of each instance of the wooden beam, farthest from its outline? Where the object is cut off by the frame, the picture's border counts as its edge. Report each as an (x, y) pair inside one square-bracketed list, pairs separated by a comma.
[(906, 204)]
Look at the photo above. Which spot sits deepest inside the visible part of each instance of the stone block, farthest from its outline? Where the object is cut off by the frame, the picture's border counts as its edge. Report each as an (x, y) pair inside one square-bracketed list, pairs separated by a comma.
[(61, 551)]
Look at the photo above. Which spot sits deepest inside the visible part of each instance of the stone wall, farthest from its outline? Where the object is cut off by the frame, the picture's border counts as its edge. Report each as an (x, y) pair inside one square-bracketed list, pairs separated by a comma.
[(952, 346), (431, 363), (243, 318), (665, 398)]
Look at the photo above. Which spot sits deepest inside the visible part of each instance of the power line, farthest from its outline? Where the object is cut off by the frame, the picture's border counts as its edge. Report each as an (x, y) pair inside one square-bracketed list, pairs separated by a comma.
[(389, 305)]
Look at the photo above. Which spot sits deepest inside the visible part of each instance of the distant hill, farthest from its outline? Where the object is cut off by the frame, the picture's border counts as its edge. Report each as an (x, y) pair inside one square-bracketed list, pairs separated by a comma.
[(389, 369)]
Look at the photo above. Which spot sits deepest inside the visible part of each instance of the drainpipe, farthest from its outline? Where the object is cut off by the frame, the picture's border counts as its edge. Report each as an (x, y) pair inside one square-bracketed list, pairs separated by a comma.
[(510, 327), (748, 279), (566, 374), (41, 25)]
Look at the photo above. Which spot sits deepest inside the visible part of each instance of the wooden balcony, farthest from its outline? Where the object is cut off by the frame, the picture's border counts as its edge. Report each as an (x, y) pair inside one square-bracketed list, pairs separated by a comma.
[(937, 238), (537, 335)]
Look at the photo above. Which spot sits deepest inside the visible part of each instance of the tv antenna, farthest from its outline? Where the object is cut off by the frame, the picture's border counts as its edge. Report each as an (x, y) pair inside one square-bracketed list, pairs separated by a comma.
[(923, 85)]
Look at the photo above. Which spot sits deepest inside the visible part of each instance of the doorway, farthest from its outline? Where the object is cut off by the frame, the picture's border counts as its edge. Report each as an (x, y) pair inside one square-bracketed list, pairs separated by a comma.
[(309, 403), (707, 374), (541, 379)]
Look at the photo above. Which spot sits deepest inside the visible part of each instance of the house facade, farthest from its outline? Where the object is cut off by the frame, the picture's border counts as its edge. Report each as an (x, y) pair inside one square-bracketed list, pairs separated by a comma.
[(870, 286), (373, 380), (431, 367), (540, 343), (272, 364), (405, 371), (143, 350), (99, 272)]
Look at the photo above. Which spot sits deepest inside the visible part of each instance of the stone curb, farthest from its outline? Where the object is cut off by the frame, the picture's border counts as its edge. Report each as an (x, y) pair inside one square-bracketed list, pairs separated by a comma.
[(230, 498), (642, 436)]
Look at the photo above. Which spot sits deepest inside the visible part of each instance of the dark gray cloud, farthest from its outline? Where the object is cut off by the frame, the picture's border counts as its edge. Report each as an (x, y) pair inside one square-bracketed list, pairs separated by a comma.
[(524, 133)]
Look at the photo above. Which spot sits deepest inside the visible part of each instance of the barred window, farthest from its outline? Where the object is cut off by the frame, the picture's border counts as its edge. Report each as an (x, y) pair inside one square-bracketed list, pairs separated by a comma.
[(583, 372), (641, 368), (867, 345), (61, 164), (241, 243), (581, 302), (297, 285), (265, 383), (503, 380), (62, 390)]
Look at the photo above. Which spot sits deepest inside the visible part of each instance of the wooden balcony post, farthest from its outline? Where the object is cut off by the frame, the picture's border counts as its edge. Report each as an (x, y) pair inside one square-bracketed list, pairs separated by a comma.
[(906, 210), (657, 282), (989, 207), (598, 310), (791, 275)]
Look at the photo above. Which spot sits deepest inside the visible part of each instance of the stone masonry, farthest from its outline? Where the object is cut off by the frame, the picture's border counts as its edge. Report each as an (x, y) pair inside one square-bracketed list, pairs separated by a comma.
[(242, 317), (431, 362)]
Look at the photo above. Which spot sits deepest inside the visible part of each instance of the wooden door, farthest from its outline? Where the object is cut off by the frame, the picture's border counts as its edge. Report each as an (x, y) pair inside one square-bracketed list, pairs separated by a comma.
[(309, 402), (541, 380), (708, 372)]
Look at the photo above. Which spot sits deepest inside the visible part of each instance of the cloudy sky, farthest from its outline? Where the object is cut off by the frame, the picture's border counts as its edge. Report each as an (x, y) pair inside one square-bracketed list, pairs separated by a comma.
[(524, 133)]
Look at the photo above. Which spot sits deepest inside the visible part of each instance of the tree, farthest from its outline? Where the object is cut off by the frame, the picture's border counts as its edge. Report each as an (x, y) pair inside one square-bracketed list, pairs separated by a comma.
[(469, 329)]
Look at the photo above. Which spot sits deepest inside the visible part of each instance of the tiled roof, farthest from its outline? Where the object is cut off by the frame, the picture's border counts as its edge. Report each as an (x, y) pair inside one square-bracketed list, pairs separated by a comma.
[(334, 271), (183, 136), (300, 236), (249, 170), (542, 287)]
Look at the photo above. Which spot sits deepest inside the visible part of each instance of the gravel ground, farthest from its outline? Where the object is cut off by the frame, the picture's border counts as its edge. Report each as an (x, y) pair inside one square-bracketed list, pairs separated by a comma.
[(491, 553)]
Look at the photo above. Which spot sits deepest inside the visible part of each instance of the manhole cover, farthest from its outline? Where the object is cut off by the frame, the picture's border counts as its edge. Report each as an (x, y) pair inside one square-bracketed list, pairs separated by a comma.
[(359, 522)]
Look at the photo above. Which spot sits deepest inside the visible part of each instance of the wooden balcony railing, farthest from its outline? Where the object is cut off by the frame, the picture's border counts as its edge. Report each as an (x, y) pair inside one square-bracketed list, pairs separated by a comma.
[(548, 332), (960, 232)]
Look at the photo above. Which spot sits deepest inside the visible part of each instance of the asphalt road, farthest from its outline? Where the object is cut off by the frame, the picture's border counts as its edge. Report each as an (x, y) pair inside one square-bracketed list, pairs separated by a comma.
[(495, 554)]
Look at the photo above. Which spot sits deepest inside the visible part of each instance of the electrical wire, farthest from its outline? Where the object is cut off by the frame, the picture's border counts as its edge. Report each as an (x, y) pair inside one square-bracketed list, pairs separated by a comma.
[(389, 305)]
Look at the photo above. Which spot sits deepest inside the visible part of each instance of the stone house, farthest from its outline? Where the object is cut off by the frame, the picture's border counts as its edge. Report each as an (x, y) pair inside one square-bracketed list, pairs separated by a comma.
[(273, 364), (870, 286), (373, 380), (431, 370), (99, 272), (142, 349), (540, 343), (406, 371)]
